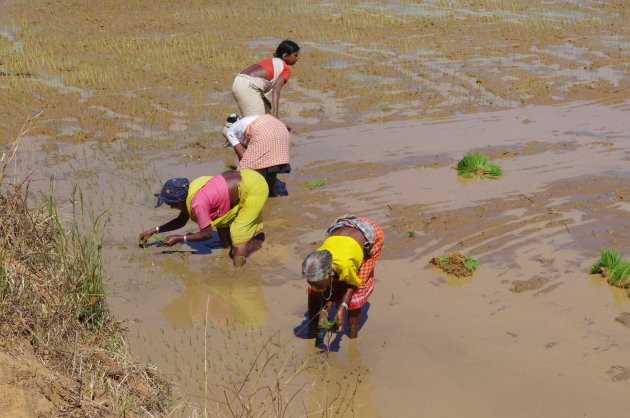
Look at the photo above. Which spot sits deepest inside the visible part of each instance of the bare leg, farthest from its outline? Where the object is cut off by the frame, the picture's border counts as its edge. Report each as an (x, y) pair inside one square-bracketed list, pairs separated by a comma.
[(240, 254), (224, 236), (354, 320), (314, 306), (271, 181)]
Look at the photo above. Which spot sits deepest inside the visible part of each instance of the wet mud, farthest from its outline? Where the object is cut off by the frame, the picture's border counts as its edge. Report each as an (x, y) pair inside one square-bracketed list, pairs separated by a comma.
[(539, 227), (531, 333)]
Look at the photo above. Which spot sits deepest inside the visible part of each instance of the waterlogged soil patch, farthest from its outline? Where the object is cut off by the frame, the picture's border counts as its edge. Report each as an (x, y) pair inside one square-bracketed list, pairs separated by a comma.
[(619, 373), (624, 319), (456, 264), (178, 84), (534, 283)]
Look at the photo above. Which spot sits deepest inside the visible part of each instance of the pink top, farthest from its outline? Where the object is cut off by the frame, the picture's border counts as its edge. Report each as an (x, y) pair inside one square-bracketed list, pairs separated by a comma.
[(211, 202), (269, 143)]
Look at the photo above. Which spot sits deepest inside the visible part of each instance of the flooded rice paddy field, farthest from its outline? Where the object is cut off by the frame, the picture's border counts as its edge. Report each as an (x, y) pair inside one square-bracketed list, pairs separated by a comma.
[(383, 103)]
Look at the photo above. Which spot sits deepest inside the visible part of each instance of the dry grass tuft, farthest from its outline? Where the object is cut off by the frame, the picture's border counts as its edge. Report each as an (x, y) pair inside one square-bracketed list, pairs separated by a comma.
[(52, 305)]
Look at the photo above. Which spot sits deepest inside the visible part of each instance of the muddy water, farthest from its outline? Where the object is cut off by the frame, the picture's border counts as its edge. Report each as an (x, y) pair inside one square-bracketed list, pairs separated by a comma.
[(430, 345)]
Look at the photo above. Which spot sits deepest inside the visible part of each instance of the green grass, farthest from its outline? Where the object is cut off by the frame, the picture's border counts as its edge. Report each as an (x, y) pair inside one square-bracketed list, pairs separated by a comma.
[(475, 164), (470, 263), (612, 265), (314, 183)]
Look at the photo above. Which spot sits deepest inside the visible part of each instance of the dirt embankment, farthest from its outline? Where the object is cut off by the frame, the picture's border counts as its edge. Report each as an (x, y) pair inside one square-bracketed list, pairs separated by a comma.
[(61, 353)]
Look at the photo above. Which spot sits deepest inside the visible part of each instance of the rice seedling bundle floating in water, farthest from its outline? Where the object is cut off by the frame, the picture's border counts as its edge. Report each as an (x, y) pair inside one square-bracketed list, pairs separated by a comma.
[(456, 264), (612, 266), (314, 183), (475, 164)]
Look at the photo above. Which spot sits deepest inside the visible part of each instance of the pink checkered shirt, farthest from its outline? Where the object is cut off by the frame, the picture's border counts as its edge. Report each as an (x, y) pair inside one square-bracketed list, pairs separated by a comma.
[(268, 144)]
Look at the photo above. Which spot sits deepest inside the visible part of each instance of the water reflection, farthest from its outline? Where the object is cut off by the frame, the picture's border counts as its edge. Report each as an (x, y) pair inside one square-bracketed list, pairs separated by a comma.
[(231, 297)]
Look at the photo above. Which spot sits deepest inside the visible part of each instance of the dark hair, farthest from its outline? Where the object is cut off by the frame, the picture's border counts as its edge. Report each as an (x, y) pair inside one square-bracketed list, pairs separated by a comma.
[(286, 48)]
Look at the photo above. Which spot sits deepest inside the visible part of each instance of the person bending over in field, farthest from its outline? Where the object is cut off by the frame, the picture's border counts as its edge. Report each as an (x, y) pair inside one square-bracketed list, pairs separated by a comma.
[(251, 86), (261, 143), (342, 271), (232, 201)]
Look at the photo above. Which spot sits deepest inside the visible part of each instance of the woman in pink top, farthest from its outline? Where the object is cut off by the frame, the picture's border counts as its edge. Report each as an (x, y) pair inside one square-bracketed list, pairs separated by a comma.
[(232, 202), (252, 85)]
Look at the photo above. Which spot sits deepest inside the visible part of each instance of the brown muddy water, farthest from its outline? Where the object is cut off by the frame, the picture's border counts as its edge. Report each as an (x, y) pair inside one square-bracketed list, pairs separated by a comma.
[(430, 345), (530, 334)]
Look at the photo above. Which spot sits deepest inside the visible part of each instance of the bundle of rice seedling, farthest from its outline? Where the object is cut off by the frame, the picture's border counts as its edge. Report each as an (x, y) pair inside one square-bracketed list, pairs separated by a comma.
[(474, 164), (612, 266), (456, 264)]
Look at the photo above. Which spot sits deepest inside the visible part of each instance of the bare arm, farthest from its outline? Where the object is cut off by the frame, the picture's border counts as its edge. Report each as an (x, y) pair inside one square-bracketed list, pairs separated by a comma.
[(239, 149), (171, 225), (341, 312), (202, 235), (323, 313), (275, 96)]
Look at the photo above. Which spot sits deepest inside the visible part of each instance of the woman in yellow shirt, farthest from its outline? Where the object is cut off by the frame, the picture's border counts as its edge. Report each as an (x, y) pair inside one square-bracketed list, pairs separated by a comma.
[(342, 271)]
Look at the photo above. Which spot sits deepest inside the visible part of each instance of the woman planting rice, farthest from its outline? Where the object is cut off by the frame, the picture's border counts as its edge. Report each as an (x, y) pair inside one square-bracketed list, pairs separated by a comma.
[(342, 271), (256, 81), (232, 201), (262, 144)]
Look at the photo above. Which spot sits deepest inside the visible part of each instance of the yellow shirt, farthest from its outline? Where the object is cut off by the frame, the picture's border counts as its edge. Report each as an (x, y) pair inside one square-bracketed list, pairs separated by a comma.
[(347, 257)]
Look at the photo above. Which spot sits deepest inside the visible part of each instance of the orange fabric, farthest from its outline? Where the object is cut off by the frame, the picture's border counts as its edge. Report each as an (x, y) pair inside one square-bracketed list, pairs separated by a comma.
[(268, 67), (366, 271)]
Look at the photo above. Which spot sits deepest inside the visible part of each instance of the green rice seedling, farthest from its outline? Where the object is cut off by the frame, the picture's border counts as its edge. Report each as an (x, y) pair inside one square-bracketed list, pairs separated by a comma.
[(475, 164), (612, 266), (313, 184), (328, 325)]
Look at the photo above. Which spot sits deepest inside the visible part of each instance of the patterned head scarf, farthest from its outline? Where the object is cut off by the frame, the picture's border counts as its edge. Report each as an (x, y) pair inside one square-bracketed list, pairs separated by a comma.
[(173, 191)]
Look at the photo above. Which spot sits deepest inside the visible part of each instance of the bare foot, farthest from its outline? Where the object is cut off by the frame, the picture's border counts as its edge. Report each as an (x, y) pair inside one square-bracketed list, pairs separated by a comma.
[(239, 261)]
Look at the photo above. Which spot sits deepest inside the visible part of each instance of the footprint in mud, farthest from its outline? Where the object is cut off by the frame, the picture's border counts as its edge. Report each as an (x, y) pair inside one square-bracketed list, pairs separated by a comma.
[(534, 283), (619, 373), (548, 289), (624, 319), (546, 261)]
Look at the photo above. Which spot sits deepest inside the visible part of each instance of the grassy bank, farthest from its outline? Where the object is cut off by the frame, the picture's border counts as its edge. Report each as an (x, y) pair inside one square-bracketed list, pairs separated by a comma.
[(53, 312)]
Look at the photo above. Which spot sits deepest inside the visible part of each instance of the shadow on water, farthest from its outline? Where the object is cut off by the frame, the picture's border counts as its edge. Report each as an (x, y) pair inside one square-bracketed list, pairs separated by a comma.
[(197, 248), (301, 331)]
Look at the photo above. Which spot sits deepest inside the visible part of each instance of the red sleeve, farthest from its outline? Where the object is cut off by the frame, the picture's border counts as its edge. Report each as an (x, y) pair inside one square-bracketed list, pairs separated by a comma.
[(286, 72)]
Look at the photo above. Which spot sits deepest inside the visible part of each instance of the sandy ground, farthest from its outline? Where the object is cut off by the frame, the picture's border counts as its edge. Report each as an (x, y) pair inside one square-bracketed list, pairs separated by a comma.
[(430, 343)]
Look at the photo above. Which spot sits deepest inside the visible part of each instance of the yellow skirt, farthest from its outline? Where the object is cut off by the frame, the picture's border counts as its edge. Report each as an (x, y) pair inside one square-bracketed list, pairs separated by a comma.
[(245, 219)]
